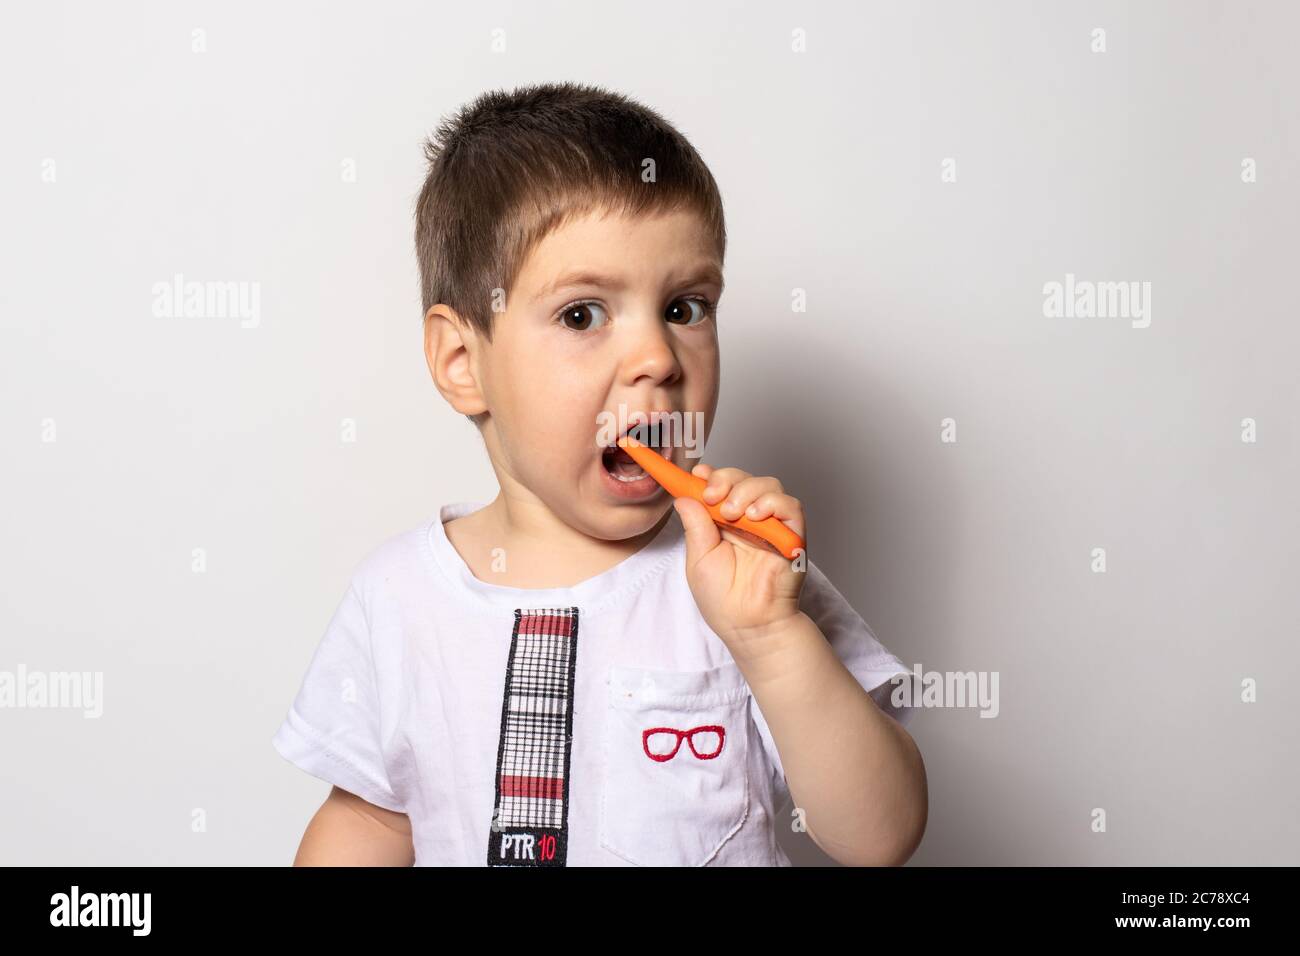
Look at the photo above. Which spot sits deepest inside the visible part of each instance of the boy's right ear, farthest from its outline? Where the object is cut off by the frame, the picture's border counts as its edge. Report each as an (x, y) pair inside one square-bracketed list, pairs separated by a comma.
[(451, 349)]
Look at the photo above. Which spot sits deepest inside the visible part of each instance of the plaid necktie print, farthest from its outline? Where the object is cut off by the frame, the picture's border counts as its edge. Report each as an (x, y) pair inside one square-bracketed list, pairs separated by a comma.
[(531, 812)]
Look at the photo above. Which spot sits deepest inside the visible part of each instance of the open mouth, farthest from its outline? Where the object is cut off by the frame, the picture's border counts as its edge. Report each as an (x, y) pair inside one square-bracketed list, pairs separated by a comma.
[(622, 466)]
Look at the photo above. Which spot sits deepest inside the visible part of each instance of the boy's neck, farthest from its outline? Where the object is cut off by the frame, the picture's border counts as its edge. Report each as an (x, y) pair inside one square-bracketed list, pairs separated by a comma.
[(538, 548)]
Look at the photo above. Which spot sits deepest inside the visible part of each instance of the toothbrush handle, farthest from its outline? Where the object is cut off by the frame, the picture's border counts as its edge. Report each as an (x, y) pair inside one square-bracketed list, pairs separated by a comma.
[(682, 484)]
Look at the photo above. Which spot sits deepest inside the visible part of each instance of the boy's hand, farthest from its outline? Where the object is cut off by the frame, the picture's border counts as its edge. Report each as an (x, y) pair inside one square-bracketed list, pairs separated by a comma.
[(744, 588)]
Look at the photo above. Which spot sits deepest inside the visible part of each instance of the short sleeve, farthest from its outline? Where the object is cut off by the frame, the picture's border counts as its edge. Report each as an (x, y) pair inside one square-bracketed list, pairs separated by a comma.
[(332, 729), (869, 661)]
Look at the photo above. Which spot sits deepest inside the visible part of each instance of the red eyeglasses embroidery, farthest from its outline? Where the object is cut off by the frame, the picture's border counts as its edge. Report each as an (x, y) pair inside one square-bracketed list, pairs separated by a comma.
[(708, 735)]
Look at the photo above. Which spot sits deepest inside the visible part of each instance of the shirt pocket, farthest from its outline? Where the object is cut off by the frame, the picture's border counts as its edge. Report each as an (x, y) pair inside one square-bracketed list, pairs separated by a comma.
[(676, 780)]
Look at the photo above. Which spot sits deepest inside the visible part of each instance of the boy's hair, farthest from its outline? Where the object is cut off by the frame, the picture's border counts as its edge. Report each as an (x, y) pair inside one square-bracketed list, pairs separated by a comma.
[(510, 167)]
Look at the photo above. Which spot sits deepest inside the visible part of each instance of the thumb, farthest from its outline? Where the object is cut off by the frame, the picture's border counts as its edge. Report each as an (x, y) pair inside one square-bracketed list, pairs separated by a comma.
[(702, 535)]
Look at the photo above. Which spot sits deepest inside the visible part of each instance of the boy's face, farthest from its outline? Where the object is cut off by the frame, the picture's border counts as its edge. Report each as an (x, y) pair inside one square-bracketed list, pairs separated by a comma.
[(607, 311)]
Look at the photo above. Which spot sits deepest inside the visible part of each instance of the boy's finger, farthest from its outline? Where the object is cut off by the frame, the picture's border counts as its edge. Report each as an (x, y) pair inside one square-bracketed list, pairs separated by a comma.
[(742, 536), (721, 481), (702, 535), (747, 492), (702, 470), (783, 507)]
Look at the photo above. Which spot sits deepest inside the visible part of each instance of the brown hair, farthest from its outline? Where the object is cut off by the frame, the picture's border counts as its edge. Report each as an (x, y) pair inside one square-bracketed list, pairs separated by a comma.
[(510, 167)]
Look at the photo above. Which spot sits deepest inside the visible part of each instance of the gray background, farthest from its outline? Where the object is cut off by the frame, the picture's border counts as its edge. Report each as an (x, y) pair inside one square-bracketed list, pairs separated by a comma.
[(1118, 690)]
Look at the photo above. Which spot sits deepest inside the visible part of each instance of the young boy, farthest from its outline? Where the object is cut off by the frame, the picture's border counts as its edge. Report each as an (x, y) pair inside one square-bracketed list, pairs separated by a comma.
[(583, 671)]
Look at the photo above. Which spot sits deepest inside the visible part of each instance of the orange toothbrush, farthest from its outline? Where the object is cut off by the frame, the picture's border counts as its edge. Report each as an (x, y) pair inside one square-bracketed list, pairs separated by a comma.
[(682, 484)]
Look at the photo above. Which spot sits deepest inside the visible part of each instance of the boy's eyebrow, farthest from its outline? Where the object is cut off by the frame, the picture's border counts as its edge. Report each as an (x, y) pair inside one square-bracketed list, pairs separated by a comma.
[(709, 273), (574, 279)]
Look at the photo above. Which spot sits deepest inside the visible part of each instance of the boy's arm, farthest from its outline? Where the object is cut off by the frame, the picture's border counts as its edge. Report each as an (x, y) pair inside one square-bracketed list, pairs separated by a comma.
[(350, 831), (855, 772)]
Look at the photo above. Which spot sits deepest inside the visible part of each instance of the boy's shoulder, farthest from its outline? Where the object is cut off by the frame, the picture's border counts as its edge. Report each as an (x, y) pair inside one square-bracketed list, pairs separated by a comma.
[(394, 561)]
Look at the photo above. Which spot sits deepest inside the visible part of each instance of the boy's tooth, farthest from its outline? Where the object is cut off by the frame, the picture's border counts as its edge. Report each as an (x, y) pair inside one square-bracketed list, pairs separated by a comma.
[(622, 466), (626, 469)]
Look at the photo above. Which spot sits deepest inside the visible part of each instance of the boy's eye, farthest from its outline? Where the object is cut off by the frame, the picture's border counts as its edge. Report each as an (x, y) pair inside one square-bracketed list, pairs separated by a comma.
[(581, 316), (584, 316), (690, 311)]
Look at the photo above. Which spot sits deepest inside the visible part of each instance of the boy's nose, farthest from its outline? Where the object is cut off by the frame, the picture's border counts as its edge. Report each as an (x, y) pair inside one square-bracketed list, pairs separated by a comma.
[(652, 356)]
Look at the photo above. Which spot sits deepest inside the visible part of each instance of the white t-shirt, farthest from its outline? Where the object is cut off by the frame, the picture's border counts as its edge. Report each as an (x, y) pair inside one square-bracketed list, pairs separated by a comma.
[(604, 724)]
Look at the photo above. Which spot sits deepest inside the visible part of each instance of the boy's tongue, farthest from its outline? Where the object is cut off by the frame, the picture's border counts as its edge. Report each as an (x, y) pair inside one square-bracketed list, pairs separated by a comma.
[(621, 463)]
